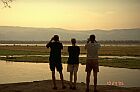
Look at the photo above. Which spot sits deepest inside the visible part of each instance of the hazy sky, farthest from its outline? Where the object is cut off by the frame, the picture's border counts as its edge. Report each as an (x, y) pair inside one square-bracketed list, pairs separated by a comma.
[(72, 14)]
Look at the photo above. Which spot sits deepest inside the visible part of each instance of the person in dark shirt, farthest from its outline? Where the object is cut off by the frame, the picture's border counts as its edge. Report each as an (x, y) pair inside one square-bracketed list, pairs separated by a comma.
[(55, 59), (73, 62)]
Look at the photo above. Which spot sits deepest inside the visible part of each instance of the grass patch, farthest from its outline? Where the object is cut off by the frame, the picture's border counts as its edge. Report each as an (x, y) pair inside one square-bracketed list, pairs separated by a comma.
[(121, 63), (41, 50), (34, 59), (20, 52)]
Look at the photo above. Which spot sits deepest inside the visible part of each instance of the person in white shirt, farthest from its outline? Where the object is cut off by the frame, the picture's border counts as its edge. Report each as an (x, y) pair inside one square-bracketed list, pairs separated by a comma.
[(92, 48)]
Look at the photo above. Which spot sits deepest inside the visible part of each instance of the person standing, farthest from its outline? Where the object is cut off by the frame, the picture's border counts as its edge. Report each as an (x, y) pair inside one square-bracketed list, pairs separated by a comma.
[(55, 59), (73, 62), (92, 48)]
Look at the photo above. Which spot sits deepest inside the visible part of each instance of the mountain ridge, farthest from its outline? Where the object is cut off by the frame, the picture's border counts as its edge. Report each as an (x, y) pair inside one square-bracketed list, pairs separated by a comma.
[(34, 33)]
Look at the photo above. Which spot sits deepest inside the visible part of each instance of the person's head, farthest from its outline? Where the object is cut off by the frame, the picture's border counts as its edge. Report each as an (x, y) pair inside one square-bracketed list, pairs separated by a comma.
[(92, 38), (56, 38), (73, 41)]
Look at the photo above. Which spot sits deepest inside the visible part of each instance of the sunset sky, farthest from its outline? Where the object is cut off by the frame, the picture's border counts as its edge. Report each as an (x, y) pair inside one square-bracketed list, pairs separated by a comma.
[(72, 14)]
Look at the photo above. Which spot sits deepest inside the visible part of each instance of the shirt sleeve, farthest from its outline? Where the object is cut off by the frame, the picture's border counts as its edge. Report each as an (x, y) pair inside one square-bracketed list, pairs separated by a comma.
[(61, 46), (78, 50)]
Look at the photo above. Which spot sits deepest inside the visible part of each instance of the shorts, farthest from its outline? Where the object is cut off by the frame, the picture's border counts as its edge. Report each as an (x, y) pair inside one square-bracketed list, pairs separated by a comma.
[(72, 67), (57, 65), (92, 64)]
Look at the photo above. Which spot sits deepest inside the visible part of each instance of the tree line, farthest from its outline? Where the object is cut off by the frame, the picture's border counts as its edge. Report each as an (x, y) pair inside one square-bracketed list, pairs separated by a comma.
[(129, 42)]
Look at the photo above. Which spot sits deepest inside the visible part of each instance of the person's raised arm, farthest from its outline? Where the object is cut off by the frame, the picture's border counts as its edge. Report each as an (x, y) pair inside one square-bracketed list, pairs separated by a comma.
[(49, 43), (88, 40), (61, 46)]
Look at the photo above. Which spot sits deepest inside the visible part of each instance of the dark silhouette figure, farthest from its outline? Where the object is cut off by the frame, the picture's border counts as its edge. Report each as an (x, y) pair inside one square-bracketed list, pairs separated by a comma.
[(55, 59), (73, 62), (92, 48)]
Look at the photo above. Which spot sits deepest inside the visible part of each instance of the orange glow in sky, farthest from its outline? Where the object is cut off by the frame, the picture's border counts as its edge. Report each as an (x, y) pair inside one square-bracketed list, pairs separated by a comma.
[(72, 14)]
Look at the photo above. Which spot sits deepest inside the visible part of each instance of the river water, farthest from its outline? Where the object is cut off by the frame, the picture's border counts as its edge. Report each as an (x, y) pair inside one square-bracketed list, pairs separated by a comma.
[(14, 72), (81, 55)]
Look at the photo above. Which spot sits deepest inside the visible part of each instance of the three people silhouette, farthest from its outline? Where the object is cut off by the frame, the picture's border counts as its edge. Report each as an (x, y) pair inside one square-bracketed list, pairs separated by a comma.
[(92, 48)]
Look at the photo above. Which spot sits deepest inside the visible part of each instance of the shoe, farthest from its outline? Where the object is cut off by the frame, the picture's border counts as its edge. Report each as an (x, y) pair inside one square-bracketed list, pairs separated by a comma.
[(87, 90), (55, 88), (95, 90), (74, 88), (71, 87), (64, 87)]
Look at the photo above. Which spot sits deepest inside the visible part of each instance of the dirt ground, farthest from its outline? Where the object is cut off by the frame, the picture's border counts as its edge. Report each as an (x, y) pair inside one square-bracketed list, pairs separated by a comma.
[(46, 86)]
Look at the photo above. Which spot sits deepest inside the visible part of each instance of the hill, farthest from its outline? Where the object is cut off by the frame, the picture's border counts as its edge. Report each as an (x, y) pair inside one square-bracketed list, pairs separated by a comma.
[(30, 33)]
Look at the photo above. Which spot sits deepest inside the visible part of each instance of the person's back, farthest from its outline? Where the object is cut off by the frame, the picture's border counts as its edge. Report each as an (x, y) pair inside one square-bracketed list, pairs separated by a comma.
[(55, 53), (74, 52), (92, 50), (55, 59)]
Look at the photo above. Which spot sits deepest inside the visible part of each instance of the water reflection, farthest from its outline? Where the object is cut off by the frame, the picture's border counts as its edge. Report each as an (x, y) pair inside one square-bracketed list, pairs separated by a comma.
[(12, 72)]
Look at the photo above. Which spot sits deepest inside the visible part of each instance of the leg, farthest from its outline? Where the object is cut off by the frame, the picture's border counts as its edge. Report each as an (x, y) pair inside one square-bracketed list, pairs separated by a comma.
[(59, 69), (88, 80), (62, 79), (95, 71), (71, 77), (76, 66), (88, 70), (53, 78), (95, 80), (75, 79)]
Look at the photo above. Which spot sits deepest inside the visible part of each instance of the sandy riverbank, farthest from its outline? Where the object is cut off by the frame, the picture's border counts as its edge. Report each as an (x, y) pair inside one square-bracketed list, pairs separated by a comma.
[(46, 86)]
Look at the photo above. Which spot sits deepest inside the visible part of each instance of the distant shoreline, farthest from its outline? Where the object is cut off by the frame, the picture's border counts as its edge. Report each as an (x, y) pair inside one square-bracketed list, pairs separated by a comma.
[(104, 42)]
